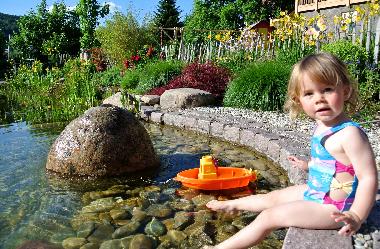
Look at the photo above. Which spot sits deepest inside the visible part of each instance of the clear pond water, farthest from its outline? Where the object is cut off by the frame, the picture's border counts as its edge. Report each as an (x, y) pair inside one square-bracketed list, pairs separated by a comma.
[(35, 205)]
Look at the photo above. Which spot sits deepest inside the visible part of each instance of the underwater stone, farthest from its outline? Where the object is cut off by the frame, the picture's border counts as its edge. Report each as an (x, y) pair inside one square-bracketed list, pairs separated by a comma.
[(176, 236), (102, 233), (203, 216), (111, 244), (104, 141), (202, 200), (86, 229), (141, 241), (73, 243), (83, 217), (182, 204), (37, 244), (90, 246), (155, 228), (159, 210), (182, 220), (126, 230), (120, 214), (100, 205)]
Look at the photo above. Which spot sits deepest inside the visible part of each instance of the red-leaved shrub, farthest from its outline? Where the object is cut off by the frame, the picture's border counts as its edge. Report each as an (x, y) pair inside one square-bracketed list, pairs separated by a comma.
[(207, 77)]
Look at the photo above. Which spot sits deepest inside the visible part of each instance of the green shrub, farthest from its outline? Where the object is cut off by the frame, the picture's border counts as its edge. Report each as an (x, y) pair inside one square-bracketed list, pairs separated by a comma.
[(369, 91), (3, 64), (122, 35), (353, 55), (108, 78), (261, 86), (130, 79), (40, 96), (157, 74)]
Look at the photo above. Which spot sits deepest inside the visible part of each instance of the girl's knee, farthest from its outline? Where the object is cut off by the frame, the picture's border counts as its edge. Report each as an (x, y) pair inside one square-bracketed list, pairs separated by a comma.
[(271, 217), (274, 197)]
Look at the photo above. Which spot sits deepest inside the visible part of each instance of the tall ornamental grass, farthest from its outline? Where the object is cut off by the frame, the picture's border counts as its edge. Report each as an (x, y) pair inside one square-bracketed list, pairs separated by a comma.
[(260, 86), (40, 95)]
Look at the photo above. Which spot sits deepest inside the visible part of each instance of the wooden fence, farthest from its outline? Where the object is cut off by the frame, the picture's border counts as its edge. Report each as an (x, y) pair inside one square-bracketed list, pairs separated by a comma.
[(260, 47)]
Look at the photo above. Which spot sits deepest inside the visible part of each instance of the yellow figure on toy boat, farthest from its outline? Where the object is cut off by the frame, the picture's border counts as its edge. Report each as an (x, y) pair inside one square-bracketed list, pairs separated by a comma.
[(211, 177)]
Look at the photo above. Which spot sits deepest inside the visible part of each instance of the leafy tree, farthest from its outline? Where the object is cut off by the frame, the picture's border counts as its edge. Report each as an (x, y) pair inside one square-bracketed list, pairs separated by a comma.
[(88, 12), (8, 23), (43, 35), (167, 15), (2, 54), (122, 36), (230, 15)]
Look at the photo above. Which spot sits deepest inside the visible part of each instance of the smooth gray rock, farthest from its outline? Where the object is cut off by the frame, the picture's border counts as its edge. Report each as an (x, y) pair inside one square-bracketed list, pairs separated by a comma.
[(104, 141), (150, 99), (185, 98), (115, 100)]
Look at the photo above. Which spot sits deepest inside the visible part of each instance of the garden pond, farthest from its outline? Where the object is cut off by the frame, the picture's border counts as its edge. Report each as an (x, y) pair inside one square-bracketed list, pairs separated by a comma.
[(35, 205)]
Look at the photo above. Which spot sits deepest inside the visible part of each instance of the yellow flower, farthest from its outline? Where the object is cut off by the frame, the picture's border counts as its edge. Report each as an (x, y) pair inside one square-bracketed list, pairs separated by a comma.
[(282, 13), (337, 19), (310, 21), (321, 24)]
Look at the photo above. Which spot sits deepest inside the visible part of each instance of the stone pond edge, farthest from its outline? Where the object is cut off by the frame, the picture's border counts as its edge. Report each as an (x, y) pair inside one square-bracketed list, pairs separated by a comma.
[(275, 147)]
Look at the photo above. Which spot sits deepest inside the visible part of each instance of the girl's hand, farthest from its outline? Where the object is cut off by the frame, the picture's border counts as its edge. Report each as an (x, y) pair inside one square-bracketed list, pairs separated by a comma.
[(351, 222), (295, 162)]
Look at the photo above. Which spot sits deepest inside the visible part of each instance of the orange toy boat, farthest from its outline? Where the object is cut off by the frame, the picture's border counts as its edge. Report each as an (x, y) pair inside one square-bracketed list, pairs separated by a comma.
[(210, 177)]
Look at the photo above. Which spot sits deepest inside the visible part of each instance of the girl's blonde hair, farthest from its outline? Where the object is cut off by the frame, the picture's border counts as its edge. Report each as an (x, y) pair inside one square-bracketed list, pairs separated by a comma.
[(322, 68)]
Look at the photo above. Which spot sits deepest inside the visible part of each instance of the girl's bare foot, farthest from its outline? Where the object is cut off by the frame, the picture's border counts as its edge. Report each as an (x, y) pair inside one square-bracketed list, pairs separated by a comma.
[(221, 206)]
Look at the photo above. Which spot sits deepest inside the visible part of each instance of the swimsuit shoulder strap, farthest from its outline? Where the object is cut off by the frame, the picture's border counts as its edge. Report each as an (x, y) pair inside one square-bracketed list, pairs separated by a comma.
[(341, 126), (344, 125)]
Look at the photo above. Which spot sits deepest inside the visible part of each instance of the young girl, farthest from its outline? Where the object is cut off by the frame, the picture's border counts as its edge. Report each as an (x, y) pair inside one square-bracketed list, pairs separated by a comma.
[(342, 182)]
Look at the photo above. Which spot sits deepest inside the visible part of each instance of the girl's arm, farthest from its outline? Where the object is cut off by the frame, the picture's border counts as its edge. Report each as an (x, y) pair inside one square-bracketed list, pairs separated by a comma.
[(358, 149)]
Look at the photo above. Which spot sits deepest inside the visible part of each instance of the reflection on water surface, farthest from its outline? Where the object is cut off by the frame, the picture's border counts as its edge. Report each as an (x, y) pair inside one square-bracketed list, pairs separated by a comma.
[(38, 206)]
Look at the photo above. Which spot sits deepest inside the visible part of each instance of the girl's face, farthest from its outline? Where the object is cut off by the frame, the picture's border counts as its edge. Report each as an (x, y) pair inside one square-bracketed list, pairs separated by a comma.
[(323, 102)]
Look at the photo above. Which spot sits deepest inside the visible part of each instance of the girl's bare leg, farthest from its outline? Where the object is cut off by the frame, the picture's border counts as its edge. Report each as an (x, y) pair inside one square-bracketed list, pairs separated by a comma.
[(257, 203), (303, 214)]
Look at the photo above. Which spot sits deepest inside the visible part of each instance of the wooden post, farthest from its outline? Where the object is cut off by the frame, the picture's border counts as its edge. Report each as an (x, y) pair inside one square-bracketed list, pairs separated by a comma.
[(368, 42), (9, 47), (161, 36), (377, 40), (296, 6), (180, 46), (361, 33)]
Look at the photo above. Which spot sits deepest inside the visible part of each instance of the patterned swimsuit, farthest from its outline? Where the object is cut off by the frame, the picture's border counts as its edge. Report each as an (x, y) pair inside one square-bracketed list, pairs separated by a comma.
[(322, 169)]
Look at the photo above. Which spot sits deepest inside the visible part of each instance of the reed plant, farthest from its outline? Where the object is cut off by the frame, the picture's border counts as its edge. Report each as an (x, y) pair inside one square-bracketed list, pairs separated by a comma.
[(40, 95)]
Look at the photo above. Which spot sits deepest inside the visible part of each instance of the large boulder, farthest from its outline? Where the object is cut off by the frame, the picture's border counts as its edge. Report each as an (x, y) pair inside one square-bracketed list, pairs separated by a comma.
[(185, 98), (104, 141)]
